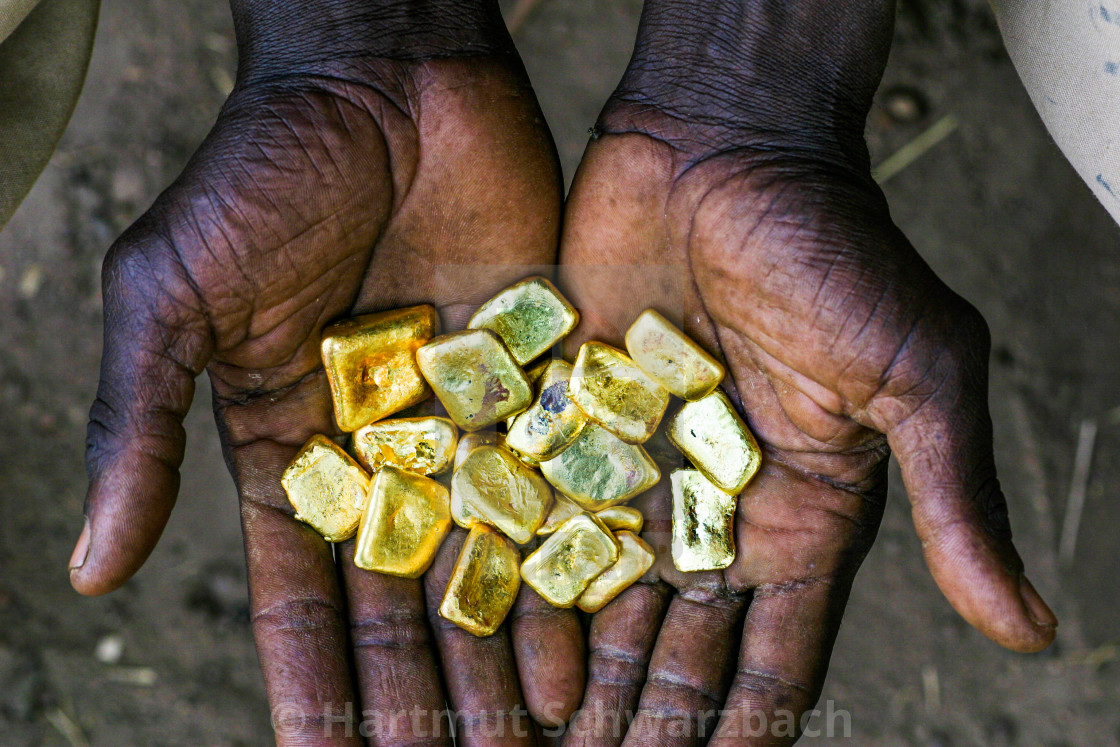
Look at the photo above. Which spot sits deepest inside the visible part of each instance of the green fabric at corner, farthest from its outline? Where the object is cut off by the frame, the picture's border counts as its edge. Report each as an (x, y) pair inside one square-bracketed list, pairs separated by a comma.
[(42, 66)]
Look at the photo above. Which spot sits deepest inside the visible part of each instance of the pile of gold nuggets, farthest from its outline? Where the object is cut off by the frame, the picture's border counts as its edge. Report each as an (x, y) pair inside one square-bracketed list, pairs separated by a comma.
[(550, 454)]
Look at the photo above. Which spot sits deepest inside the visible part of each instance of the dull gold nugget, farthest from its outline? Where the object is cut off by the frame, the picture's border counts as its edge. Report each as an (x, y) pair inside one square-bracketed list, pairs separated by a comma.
[(569, 559), (422, 445), (716, 440), (703, 523), (370, 362), (552, 422), (618, 518), (475, 378), (461, 513), (634, 558), (505, 493), (598, 470), (406, 518), (671, 358), (616, 393), (530, 316), (326, 488), (563, 508), (484, 583)]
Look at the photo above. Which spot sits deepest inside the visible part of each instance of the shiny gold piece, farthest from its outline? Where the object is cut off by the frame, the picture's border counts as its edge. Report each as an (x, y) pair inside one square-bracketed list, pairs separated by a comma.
[(716, 440), (552, 422), (533, 375), (505, 493), (530, 316), (598, 470), (563, 508), (634, 558), (569, 559), (671, 358), (371, 363), (484, 583), (703, 523), (614, 392), (326, 488), (461, 513), (503, 441), (406, 518), (618, 518), (425, 446), (475, 378)]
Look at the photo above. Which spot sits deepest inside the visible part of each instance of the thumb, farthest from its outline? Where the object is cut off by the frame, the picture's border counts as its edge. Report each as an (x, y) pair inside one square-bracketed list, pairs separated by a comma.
[(933, 407), (156, 342)]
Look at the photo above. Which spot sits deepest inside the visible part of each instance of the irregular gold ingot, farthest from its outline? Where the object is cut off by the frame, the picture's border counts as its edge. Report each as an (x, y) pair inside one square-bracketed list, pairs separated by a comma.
[(569, 559), (703, 523), (563, 508), (634, 559), (671, 358), (475, 378), (484, 583), (552, 422), (406, 518), (370, 362), (505, 493), (614, 392), (716, 440), (425, 446), (598, 470), (530, 316), (326, 488), (618, 518), (461, 513)]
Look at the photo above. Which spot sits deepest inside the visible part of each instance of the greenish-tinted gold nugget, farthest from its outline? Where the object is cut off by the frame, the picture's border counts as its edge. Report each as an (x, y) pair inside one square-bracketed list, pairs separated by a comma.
[(326, 488), (671, 358), (598, 470), (569, 559), (422, 445), (371, 366), (552, 422), (716, 440), (634, 559), (497, 486), (484, 583), (530, 316), (616, 393), (618, 518), (406, 518), (475, 377), (461, 513), (703, 523)]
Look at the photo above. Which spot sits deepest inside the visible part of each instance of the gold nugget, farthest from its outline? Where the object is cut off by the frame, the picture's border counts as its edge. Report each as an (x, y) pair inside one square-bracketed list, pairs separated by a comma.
[(552, 422), (475, 378), (716, 440), (326, 488), (530, 316), (634, 559), (563, 508), (371, 363), (671, 358), (461, 513), (484, 583), (406, 518), (614, 392), (569, 559), (422, 445), (703, 523), (617, 518), (496, 486), (598, 470)]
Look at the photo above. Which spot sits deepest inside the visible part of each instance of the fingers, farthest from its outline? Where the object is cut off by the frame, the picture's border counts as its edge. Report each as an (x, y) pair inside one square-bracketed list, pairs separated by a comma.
[(941, 431), (787, 641), (549, 649), (481, 674), (398, 680), (156, 343)]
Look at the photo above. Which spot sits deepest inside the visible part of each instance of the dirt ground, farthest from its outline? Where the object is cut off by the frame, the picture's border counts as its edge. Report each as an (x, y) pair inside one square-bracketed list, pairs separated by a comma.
[(993, 207)]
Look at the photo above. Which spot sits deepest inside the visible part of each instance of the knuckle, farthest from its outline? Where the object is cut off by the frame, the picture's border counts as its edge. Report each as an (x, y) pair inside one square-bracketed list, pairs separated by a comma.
[(405, 631), (299, 615)]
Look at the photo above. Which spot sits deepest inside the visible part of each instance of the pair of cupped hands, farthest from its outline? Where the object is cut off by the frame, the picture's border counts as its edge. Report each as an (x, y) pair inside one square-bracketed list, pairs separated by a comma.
[(383, 154)]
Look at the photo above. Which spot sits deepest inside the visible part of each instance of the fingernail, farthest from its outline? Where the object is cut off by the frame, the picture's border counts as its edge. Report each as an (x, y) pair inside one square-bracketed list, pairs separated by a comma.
[(1036, 607), (81, 550)]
